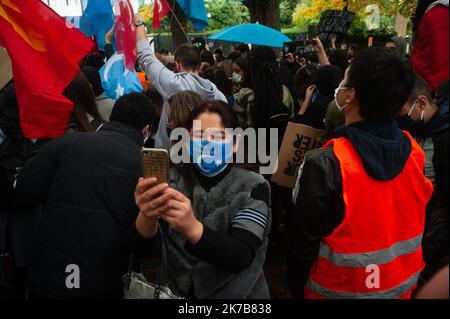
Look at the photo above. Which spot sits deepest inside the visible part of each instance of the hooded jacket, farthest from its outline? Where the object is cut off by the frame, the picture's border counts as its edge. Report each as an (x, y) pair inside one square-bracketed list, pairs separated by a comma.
[(400, 45), (320, 208), (168, 83)]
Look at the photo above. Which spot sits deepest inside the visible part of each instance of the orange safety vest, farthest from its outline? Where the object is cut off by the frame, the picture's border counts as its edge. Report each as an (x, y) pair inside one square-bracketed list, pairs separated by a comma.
[(383, 226)]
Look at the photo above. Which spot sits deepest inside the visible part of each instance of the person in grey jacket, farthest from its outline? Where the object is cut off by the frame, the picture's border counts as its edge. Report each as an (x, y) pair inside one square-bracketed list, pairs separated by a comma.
[(188, 60), (215, 218)]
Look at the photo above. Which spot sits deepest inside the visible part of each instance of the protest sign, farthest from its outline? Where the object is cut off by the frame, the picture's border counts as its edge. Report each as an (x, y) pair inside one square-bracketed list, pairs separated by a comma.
[(297, 140), (5, 68), (334, 22)]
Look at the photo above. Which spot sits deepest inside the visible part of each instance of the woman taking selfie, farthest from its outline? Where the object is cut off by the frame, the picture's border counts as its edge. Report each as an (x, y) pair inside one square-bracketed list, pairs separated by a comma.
[(215, 216)]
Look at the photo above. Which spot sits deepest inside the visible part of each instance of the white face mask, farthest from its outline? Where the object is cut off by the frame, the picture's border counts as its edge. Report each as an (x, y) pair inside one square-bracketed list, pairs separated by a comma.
[(412, 109), (237, 78), (336, 92)]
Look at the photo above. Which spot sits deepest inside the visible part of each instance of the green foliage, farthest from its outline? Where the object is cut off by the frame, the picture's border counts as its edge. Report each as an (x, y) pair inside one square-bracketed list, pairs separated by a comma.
[(226, 13), (307, 13), (287, 8), (358, 28)]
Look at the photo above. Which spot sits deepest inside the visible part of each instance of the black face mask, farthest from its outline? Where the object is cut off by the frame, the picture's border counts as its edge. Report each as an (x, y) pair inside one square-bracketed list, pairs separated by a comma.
[(406, 123)]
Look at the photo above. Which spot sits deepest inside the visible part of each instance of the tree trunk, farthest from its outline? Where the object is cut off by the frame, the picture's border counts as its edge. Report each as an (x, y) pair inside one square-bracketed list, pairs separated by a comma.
[(178, 36), (265, 12)]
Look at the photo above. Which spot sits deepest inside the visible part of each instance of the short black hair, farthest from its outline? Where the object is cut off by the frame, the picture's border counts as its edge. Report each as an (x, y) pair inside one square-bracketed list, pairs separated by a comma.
[(420, 88), (243, 48), (226, 113), (339, 58), (218, 76), (188, 56), (134, 109), (234, 56), (208, 57), (382, 83), (157, 105), (93, 76)]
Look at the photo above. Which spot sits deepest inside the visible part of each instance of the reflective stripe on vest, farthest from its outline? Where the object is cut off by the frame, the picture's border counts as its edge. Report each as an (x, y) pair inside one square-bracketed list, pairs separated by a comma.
[(382, 256), (376, 250), (392, 293)]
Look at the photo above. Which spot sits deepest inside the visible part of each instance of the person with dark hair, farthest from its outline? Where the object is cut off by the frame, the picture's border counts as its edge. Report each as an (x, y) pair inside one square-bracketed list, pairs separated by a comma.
[(353, 51), (85, 181), (361, 199), (180, 108), (227, 66), (217, 76), (303, 79), (215, 250), (208, 57), (319, 96), (261, 96), (234, 56), (287, 79), (85, 116), (426, 121), (239, 69), (399, 44), (218, 55), (313, 57), (17, 226), (188, 60), (157, 108), (243, 49), (430, 51), (339, 58), (104, 104)]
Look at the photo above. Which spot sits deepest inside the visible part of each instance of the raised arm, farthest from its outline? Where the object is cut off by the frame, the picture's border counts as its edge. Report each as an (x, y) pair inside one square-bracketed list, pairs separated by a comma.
[(164, 80), (323, 59)]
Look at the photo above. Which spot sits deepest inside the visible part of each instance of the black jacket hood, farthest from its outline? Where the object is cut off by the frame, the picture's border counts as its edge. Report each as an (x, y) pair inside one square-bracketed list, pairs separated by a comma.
[(383, 147)]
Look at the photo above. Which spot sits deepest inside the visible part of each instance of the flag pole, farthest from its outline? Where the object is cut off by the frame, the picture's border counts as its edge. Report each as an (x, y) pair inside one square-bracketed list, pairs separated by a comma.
[(83, 19), (178, 21)]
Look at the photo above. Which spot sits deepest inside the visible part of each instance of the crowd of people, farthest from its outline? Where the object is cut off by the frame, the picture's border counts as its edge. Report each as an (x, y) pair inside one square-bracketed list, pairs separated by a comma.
[(368, 217)]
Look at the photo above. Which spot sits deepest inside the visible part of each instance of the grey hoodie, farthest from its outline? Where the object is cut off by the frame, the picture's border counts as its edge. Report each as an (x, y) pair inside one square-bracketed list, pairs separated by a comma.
[(168, 83), (400, 44)]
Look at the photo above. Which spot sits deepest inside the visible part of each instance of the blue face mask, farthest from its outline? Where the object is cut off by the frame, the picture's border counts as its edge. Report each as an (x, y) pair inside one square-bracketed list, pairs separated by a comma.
[(210, 158)]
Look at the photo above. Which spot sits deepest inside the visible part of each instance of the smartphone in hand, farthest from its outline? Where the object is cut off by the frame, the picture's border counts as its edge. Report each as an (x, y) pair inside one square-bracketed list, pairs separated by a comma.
[(155, 163)]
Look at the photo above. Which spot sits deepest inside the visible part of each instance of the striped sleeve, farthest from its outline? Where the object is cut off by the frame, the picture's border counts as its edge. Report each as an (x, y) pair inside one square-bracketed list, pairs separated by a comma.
[(254, 216)]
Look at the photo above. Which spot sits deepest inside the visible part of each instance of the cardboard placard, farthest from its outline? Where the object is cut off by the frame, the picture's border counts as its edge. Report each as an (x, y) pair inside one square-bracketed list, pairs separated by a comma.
[(334, 22), (5, 68), (297, 141)]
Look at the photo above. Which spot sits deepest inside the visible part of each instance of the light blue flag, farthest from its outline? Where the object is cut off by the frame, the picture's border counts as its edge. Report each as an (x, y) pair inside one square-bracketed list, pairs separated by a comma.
[(117, 80), (195, 10), (98, 19)]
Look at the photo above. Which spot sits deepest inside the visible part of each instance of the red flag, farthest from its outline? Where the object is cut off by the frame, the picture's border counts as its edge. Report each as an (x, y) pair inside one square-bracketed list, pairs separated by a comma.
[(126, 32), (160, 9), (45, 52)]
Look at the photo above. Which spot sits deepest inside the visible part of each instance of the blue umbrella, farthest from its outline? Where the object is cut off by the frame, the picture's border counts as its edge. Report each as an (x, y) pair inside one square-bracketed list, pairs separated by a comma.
[(256, 34)]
